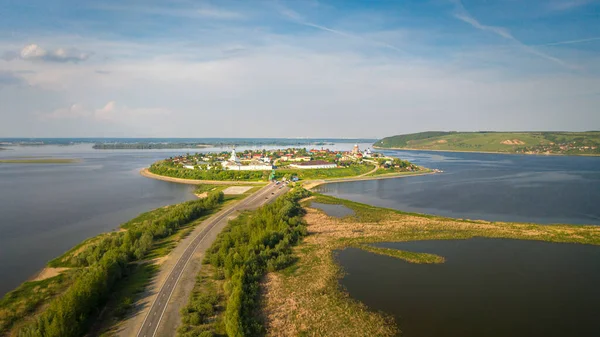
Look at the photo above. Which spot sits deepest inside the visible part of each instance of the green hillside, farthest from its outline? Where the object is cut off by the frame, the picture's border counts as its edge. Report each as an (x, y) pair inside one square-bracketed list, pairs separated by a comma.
[(566, 143)]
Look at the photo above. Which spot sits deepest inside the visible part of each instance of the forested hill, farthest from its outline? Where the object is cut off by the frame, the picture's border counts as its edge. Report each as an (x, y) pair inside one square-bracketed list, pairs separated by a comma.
[(567, 143)]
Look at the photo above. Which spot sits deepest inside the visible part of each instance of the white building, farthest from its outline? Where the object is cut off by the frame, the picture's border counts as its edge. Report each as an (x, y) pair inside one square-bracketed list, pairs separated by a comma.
[(234, 164)]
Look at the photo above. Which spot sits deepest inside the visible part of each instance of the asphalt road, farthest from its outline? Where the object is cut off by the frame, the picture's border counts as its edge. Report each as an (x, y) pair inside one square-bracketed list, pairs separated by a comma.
[(158, 307)]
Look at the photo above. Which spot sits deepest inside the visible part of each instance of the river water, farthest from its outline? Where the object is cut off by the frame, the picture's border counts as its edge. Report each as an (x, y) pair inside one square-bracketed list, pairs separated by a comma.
[(486, 287), (45, 209), (495, 187)]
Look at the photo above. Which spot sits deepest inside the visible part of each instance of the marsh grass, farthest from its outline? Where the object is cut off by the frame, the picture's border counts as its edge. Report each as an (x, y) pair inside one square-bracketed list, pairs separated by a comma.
[(308, 300), (412, 257)]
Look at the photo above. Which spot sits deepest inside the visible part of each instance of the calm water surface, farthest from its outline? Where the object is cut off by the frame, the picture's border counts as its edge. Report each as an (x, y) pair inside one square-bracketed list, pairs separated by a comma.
[(539, 189), (486, 287), (338, 211)]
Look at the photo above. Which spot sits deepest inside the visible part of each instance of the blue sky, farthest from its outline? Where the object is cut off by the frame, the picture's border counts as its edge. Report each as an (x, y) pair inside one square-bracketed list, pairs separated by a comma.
[(297, 68)]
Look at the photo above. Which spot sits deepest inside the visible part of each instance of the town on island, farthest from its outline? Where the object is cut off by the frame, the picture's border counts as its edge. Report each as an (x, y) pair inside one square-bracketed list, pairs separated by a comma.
[(291, 164)]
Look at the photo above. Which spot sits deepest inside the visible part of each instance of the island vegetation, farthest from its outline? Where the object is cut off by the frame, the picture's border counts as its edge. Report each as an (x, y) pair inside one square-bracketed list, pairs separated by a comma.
[(282, 164), (557, 143), (305, 298), (102, 275)]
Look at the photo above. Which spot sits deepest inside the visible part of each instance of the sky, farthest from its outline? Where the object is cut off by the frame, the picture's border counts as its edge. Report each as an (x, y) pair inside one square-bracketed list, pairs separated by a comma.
[(298, 68)]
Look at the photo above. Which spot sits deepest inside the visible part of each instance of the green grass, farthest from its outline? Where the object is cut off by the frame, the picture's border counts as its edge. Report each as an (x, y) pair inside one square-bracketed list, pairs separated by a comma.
[(574, 143), (363, 212), (125, 294), (412, 257), (342, 172), (64, 259), (20, 307), (309, 296), (204, 310), (391, 171), (39, 161), (29, 296)]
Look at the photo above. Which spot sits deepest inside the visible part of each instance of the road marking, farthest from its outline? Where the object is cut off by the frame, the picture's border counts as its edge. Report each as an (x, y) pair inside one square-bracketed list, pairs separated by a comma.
[(191, 248)]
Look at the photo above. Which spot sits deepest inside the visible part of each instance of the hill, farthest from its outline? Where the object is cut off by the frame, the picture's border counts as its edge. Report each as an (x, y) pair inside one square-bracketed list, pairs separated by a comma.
[(565, 143)]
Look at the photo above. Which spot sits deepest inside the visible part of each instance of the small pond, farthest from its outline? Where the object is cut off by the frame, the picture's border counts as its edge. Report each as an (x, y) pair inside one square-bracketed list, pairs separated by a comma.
[(338, 211), (486, 287)]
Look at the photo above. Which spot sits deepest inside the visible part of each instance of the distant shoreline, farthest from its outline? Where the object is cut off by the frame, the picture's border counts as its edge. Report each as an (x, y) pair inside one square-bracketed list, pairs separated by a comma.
[(39, 161), (488, 152)]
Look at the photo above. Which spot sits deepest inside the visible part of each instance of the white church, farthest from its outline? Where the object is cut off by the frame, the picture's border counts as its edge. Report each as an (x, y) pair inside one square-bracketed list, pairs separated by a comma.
[(235, 164)]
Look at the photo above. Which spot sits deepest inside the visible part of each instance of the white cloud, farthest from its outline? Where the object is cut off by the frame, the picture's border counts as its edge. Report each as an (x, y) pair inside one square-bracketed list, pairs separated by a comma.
[(34, 52)]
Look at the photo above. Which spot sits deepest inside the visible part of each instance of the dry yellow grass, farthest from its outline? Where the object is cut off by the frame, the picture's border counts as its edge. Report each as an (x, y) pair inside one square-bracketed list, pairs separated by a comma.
[(306, 300)]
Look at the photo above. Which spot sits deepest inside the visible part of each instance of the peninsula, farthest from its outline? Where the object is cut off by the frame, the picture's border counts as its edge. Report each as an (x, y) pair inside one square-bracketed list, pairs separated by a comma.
[(548, 143)]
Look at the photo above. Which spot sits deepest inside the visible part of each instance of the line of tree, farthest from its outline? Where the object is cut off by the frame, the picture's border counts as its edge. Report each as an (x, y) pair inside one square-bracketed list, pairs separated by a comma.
[(247, 248), (215, 173), (106, 262)]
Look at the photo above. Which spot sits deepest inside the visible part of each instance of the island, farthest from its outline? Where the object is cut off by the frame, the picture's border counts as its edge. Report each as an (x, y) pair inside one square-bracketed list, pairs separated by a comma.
[(548, 143), (291, 164), (147, 146)]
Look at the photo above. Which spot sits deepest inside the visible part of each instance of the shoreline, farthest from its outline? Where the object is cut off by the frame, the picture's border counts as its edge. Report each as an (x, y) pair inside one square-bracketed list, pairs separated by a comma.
[(488, 152), (146, 173), (308, 184)]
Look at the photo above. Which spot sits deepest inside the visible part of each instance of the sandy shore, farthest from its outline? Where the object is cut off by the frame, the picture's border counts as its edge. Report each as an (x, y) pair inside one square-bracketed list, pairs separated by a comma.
[(46, 273), (146, 173)]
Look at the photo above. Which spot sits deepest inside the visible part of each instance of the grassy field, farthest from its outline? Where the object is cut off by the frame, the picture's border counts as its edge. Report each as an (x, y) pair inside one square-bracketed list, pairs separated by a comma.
[(568, 143), (342, 172), (305, 299), (20, 305), (39, 161)]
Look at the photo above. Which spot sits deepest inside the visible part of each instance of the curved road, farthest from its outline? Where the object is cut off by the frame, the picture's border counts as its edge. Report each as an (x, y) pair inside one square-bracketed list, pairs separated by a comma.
[(160, 303)]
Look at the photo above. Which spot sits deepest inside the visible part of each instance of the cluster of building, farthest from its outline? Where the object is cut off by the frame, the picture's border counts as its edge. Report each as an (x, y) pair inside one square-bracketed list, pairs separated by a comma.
[(552, 148), (263, 160)]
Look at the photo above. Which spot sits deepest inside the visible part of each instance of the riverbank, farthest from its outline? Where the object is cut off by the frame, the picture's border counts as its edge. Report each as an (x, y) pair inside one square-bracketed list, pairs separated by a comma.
[(146, 173), (308, 184), (488, 152), (114, 266), (306, 299)]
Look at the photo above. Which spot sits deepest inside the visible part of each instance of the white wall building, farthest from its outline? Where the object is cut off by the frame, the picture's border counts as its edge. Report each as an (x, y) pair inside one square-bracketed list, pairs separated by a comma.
[(234, 164)]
